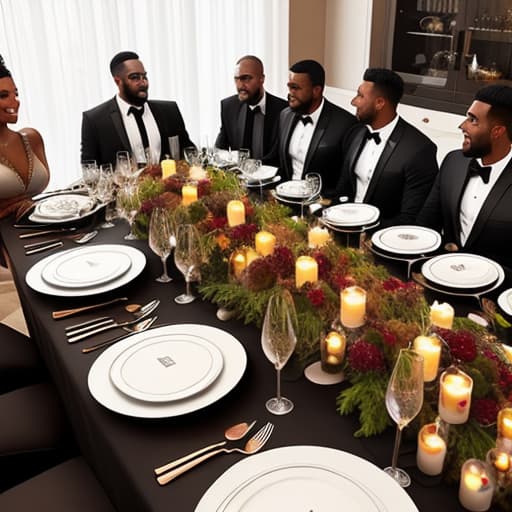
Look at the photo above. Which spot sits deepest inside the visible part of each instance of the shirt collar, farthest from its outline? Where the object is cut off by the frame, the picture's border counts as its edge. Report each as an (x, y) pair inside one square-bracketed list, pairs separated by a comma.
[(262, 103), (123, 105), (499, 166), (386, 131), (316, 114)]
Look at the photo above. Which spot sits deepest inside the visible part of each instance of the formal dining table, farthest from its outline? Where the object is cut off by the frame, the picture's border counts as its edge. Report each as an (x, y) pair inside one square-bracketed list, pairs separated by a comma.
[(123, 450)]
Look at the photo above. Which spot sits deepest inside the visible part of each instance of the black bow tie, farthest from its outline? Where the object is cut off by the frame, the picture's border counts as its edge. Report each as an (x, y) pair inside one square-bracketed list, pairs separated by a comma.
[(306, 120), (137, 112), (373, 135), (475, 169)]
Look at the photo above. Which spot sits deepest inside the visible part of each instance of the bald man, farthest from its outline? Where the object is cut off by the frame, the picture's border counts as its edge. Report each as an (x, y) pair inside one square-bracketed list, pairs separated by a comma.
[(249, 119)]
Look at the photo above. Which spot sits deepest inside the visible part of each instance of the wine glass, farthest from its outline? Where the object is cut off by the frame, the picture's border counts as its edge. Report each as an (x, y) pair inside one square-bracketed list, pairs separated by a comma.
[(105, 190), (278, 341), (250, 168), (90, 175), (188, 258), (312, 185), (159, 239), (404, 399), (191, 154), (127, 205), (123, 168)]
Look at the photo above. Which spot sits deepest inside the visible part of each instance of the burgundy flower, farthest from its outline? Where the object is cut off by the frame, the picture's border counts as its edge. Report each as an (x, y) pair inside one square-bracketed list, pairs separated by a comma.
[(283, 262), (365, 357), (217, 223), (462, 344), (324, 265), (316, 297), (392, 284), (244, 233), (485, 410)]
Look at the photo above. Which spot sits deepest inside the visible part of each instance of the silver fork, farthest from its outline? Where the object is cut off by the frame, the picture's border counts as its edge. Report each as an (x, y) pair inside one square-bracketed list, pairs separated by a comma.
[(254, 444)]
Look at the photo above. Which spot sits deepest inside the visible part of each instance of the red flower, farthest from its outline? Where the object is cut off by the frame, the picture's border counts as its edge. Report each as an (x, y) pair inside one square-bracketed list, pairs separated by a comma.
[(316, 297), (283, 262), (324, 265), (244, 233), (217, 223), (365, 357), (388, 337), (462, 344), (343, 281), (392, 284), (485, 410)]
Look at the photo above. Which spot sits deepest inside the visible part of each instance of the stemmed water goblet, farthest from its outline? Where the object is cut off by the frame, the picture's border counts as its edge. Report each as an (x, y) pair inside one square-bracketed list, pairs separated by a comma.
[(160, 239), (404, 399), (127, 205), (278, 340), (250, 168), (124, 168), (191, 154), (105, 191), (188, 258), (312, 186)]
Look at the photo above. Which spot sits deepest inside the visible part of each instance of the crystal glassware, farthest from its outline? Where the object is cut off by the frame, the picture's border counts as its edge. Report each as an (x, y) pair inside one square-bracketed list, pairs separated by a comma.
[(278, 340), (404, 399), (127, 205), (188, 258), (159, 239), (312, 187)]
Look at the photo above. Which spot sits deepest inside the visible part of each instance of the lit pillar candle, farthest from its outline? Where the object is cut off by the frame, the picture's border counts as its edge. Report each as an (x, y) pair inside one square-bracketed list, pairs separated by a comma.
[(476, 488), (188, 194), (430, 348), (306, 269), (235, 213), (332, 351), (431, 450), (353, 306), (455, 397), (317, 237), (168, 168), (505, 423), (238, 263), (441, 315), (265, 243)]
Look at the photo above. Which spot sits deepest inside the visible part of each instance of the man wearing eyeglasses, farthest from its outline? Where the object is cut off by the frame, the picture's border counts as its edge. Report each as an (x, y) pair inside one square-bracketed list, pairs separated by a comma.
[(129, 121)]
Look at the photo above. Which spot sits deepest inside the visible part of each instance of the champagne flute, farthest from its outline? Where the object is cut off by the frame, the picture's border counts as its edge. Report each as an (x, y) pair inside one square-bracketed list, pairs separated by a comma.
[(188, 258), (160, 239), (404, 399), (128, 204), (278, 341)]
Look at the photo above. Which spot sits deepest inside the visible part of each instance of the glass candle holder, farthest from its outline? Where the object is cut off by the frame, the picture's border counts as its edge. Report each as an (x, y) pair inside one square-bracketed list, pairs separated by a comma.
[(476, 487), (455, 389), (239, 260), (332, 351)]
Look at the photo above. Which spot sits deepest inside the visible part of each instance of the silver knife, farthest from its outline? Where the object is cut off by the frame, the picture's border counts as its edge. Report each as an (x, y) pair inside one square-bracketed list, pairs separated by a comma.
[(33, 234), (43, 248)]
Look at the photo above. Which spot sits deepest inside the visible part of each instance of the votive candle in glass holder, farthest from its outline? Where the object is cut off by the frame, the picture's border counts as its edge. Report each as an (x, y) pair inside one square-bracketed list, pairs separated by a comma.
[(188, 194), (476, 488), (332, 351), (240, 259), (306, 270), (317, 237), (431, 450), (505, 423), (455, 389), (235, 213), (430, 348), (265, 243), (441, 315), (352, 307), (168, 168), (499, 460)]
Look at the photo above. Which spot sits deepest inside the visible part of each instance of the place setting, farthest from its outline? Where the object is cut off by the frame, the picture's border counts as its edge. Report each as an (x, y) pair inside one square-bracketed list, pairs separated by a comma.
[(299, 192)]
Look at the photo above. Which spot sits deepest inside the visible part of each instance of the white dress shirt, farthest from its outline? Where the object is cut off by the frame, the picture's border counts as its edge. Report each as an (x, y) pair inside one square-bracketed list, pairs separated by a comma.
[(369, 158), (300, 141), (132, 130), (475, 194)]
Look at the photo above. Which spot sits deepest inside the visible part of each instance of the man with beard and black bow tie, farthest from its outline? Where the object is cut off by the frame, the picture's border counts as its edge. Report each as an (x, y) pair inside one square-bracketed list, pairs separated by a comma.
[(311, 129), (129, 121), (249, 119), (472, 205), (388, 162)]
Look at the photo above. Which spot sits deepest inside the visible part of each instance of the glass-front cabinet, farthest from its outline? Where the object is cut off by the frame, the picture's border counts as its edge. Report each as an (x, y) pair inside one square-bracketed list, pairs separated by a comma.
[(444, 49)]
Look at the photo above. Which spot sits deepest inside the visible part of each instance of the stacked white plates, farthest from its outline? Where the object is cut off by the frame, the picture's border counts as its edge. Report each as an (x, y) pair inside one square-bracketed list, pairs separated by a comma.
[(63, 208), (463, 272), (406, 240), (351, 215), (305, 478), (264, 173), (86, 270), (167, 371), (293, 191)]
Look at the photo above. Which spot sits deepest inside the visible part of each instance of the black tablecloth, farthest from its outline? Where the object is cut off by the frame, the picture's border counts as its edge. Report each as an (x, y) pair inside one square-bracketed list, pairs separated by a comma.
[(123, 450)]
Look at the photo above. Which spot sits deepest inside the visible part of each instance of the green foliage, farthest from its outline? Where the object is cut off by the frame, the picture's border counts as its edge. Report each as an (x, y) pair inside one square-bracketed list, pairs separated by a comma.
[(270, 212), (225, 181)]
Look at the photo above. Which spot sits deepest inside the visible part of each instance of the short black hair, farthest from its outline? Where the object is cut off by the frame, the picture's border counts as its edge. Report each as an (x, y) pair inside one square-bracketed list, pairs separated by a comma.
[(117, 61), (255, 59), (499, 97), (389, 84), (4, 72), (313, 69)]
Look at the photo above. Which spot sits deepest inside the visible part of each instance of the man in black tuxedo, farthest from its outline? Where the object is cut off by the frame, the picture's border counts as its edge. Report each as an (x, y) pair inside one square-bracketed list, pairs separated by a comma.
[(249, 119), (311, 129), (388, 162), (472, 205), (129, 121)]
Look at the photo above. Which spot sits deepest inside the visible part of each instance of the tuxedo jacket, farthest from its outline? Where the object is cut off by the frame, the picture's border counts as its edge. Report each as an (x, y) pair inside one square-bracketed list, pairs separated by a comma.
[(104, 134), (491, 235), (403, 176), (325, 152), (233, 113)]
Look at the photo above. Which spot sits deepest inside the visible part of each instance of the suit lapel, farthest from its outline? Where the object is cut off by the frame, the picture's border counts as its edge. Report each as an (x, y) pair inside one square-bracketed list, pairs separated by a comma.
[(242, 116), (356, 146), (323, 122), (117, 121), (285, 141)]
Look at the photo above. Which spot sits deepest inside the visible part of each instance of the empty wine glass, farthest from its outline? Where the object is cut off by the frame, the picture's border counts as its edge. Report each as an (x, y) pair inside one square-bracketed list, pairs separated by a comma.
[(278, 341), (188, 258), (191, 154), (404, 399), (105, 190), (127, 205), (312, 186), (159, 239), (90, 175), (123, 168)]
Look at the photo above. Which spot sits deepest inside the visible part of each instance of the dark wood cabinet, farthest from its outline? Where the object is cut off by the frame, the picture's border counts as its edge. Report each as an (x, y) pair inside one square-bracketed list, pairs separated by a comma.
[(444, 49)]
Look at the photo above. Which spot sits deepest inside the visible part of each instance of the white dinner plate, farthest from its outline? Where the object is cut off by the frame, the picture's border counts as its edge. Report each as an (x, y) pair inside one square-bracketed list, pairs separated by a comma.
[(407, 240), (92, 266), (351, 214), (63, 206), (461, 271), (166, 367), (305, 478), (505, 301), (259, 184), (107, 394), (35, 280), (293, 189), (264, 173), (294, 201)]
